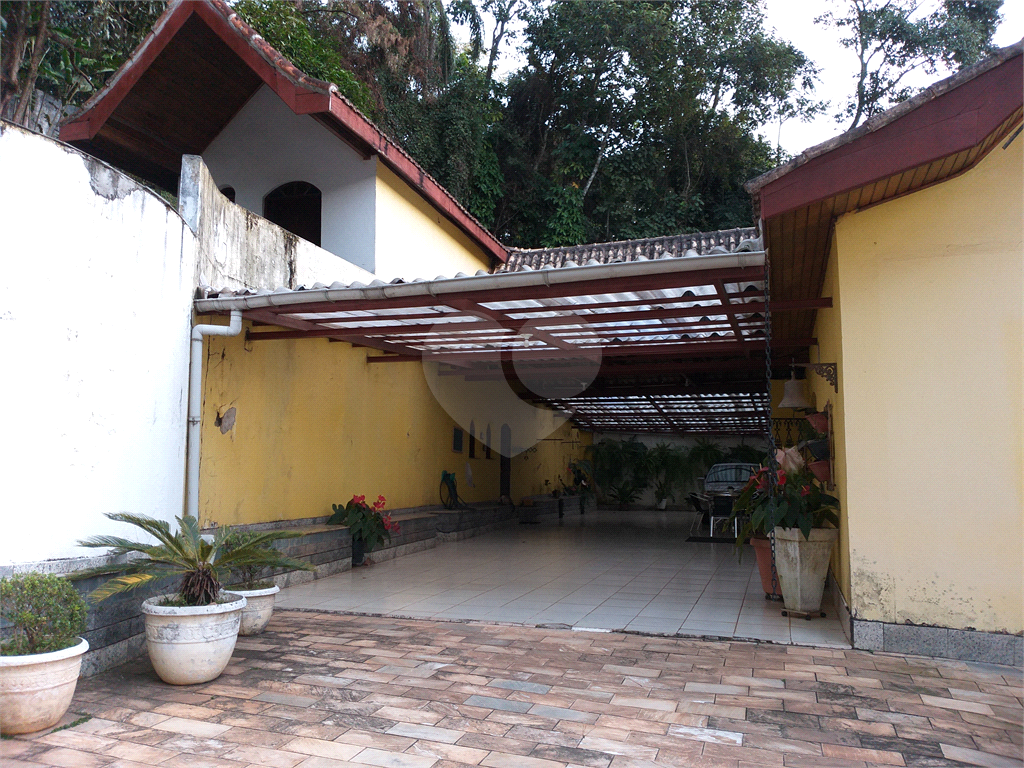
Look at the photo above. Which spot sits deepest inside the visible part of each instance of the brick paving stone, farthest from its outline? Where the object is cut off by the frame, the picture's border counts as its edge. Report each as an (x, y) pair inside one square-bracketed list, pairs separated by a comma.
[(321, 690)]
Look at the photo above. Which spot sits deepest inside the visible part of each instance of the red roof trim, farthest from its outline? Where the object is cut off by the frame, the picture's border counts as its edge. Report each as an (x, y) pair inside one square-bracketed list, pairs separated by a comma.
[(303, 95), (950, 123)]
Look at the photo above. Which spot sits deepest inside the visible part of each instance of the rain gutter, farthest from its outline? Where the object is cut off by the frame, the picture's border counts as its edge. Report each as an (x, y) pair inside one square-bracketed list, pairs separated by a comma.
[(195, 404)]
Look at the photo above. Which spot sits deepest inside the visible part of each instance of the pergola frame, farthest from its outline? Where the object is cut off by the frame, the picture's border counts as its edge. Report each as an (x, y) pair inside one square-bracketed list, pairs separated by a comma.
[(677, 344)]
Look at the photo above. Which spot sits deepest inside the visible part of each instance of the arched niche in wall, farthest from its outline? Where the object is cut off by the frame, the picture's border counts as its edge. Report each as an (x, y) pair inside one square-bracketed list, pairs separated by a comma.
[(228, 192), (295, 206)]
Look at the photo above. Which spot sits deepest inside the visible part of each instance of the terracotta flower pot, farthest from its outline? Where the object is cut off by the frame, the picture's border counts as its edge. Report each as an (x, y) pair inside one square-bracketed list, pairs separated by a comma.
[(763, 552), (819, 421), (821, 470)]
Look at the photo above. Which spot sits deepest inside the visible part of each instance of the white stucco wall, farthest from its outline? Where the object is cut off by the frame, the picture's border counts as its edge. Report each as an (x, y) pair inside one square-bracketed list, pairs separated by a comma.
[(267, 145), (95, 310)]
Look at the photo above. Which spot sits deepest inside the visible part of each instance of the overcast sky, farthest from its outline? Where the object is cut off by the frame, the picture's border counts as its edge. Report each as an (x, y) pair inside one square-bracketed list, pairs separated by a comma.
[(793, 20)]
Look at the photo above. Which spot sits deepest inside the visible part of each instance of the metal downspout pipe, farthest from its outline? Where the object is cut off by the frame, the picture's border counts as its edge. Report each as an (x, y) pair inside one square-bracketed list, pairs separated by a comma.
[(195, 404)]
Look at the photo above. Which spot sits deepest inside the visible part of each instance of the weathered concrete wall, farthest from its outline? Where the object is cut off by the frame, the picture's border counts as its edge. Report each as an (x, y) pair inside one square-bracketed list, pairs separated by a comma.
[(238, 249), (267, 145), (96, 310)]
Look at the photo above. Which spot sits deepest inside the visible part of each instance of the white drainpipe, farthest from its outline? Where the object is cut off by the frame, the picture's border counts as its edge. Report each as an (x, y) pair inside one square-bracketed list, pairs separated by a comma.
[(195, 404)]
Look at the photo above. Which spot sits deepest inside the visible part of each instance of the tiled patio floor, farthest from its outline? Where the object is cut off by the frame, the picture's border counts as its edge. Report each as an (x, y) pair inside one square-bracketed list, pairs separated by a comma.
[(604, 570), (333, 690)]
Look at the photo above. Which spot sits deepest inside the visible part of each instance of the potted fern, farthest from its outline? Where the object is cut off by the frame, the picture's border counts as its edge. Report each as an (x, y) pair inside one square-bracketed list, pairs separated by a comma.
[(41, 653), (191, 633)]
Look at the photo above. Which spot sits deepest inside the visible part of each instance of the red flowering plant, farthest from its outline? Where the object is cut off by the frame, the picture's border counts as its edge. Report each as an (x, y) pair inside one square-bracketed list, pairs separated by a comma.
[(366, 522), (798, 500)]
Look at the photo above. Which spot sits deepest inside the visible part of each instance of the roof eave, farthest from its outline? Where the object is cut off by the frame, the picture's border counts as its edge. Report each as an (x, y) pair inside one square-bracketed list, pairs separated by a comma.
[(879, 121), (302, 94)]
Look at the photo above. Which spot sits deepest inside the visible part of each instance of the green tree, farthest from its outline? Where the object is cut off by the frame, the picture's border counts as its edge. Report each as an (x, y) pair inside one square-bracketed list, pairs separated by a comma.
[(284, 27), (892, 40), (66, 49), (648, 110)]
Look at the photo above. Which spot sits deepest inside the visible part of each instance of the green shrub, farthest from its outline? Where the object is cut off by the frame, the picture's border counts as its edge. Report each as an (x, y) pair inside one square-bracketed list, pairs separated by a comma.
[(45, 614)]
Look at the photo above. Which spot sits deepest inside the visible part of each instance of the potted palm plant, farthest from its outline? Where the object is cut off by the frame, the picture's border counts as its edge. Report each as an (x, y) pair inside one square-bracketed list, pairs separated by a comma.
[(249, 582), (622, 469), (41, 655), (795, 510), (668, 466), (191, 633)]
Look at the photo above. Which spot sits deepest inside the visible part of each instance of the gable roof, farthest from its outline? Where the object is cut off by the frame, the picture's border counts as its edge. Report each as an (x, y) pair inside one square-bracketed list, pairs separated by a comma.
[(200, 64), (941, 132)]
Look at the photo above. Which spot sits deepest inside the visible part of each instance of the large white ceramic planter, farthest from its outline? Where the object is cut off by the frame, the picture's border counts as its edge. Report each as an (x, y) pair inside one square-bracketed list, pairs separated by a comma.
[(36, 690), (802, 565), (259, 607), (190, 645)]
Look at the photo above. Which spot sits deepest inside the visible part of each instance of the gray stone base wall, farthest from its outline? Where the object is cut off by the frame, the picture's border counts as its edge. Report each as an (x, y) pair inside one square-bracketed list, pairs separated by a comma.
[(115, 628), (101, 659), (401, 550), (962, 644), (940, 642)]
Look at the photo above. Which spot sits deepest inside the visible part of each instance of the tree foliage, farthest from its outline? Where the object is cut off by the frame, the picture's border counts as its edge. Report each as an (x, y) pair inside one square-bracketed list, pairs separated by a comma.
[(642, 116), (892, 40), (67, 49), (284, 27), (624, 119)]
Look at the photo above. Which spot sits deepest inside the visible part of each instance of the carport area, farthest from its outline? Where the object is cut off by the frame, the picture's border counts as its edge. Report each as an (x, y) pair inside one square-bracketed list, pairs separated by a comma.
[(656, 344), (605, 570)]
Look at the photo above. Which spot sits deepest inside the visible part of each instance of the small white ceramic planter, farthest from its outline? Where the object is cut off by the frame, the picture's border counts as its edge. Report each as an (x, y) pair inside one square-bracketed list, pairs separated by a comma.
[(190, 645), (259, 607), (802, 565), (36, 690)]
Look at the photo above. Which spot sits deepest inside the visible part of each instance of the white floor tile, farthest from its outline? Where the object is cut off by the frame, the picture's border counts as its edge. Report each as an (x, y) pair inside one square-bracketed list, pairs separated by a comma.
[(610, 572)]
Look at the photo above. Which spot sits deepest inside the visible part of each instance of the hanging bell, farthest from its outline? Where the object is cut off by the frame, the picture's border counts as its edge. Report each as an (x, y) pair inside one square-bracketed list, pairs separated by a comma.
[(793, 394)]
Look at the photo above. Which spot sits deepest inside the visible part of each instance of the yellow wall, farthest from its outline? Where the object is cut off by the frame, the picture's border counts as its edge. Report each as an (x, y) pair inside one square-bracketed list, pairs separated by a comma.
[(930, 386), (828, 330), (315, 424), (548, 461), (414, 240)]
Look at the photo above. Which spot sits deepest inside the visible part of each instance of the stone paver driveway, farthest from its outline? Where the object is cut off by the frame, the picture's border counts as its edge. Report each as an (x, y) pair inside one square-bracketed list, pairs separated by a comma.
[(325, 690)]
